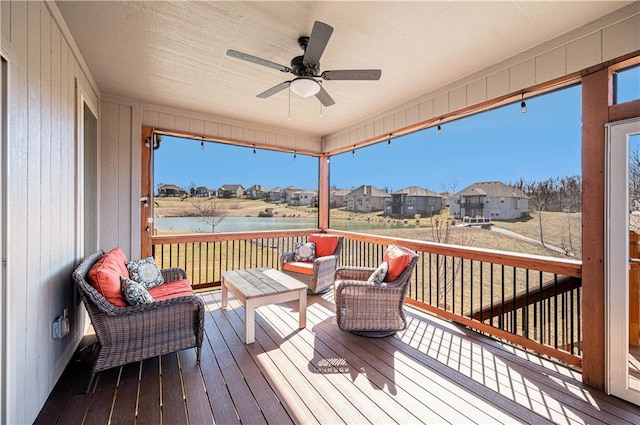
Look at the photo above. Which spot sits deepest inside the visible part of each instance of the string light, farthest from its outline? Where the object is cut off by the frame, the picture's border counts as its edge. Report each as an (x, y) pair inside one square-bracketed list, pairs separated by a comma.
[(254, 150), (202, 144), (439, 129), (295, 155), (353, 152), (523, 105)]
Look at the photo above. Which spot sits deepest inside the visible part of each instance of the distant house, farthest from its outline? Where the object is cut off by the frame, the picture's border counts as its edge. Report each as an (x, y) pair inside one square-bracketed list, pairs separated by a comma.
[(274, 195), (338, 198), (285, 194), (303, 197), (414, 200), (170, 191), (202, 192), (366, 198), (256, 191), (231, 191), (494, 200)]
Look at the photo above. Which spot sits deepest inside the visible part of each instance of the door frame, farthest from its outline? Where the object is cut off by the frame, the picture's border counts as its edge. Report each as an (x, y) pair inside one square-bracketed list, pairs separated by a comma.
[(617, 258)]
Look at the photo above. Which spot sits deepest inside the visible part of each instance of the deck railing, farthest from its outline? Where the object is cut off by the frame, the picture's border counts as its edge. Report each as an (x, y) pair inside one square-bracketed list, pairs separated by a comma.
[(529, 300)]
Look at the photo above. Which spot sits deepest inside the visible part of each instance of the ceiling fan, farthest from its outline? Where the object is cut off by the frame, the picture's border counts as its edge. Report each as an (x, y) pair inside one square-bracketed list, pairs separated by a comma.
[(306, 67)]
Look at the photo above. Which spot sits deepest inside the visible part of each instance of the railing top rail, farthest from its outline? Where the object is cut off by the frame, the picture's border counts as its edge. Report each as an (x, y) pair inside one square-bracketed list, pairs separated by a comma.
[(530, 261), (215, 237)]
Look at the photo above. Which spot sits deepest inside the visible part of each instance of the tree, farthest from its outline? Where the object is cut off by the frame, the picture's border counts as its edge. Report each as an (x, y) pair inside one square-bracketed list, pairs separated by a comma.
[(209, 212), (441, 232), (540, 194)]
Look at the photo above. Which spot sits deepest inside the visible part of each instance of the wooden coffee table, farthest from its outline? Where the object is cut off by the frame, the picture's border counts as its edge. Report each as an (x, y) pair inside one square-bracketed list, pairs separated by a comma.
[(262, 286)]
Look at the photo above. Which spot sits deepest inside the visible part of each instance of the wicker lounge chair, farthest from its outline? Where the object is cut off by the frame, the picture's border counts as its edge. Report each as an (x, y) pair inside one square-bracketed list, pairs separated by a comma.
[(367, 309), (318, 275), (133, 333)]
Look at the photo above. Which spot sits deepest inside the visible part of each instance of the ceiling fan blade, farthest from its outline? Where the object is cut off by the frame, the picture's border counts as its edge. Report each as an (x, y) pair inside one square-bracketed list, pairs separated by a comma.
[(273, 90), (318, 40), (324, 97), (352, 74), (257, 60)]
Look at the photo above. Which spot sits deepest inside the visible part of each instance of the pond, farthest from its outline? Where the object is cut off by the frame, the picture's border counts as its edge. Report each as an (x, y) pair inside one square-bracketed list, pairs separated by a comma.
[(257, 224)]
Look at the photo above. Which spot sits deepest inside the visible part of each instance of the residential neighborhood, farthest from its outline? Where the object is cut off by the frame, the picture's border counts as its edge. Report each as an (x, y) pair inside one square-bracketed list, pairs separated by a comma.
[(490, 200)]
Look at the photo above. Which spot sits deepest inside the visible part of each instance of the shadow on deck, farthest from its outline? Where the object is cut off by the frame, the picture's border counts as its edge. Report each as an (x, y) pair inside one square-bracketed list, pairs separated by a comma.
[(433, 372)]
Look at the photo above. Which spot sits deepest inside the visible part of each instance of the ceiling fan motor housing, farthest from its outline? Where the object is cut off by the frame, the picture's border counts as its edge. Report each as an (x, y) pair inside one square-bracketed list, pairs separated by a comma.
[(299, 68)]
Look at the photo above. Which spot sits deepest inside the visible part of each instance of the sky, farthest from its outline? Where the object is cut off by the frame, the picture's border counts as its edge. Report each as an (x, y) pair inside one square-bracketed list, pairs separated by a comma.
[(503, 144)]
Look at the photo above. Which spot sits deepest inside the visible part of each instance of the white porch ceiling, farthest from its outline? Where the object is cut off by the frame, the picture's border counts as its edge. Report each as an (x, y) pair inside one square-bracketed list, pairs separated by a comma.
[(173, 53)]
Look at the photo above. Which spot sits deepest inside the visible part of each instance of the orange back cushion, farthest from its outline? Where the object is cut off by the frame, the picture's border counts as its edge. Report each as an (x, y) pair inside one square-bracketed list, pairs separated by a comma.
[(398, 261), (105, 276), (325, 244)]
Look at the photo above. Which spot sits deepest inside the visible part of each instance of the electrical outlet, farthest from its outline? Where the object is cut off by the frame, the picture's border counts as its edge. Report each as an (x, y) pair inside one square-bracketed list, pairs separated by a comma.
[(60, 326)]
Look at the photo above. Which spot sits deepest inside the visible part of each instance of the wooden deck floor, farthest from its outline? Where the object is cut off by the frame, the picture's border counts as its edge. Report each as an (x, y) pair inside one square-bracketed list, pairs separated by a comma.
[(434, 372)]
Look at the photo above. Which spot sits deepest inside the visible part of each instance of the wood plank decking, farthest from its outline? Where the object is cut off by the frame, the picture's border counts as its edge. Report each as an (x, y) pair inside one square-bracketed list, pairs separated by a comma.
[(433, 372)]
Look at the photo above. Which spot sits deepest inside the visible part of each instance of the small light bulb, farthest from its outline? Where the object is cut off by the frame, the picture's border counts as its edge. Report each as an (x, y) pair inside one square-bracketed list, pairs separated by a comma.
[(202, 144), (389, 144), (439, 129), (295, 156), (353, 153), (523, 107)]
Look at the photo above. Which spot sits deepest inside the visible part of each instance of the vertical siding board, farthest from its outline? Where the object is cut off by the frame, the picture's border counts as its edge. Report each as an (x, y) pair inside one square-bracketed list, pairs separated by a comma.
[(109, 174), (426, 110), (197, 126), (32, 306), (58, 255), (498, 84), (413, 114), (18, 252), (5, 19), (166, 121), (551, 65), (621, 38), (211, 128), (150, 118), (47, 302), (441, 104), (477, 91), (584, 51), (124, 178), (182, 124), (522, 75)]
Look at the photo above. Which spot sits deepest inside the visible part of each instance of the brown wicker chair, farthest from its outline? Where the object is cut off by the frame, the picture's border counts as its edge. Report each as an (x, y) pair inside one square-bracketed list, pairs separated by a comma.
[(368, 309), (319, 278), (134, 333)]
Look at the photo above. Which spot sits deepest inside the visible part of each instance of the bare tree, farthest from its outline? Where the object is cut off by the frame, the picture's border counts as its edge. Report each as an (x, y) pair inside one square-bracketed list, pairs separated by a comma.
[(209, 212), (540, 193), (446, 274)]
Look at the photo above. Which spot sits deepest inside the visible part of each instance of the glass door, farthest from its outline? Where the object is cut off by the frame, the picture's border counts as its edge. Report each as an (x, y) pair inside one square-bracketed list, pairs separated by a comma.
[(622, 265)]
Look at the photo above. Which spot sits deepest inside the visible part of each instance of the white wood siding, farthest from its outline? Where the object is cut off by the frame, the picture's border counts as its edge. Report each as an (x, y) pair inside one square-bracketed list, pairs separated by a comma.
[(166, 118), (607, 38), (43, 67)]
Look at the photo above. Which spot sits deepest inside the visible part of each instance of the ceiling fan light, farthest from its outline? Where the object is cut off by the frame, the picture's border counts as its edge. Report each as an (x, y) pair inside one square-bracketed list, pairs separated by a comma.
[(305, 87)]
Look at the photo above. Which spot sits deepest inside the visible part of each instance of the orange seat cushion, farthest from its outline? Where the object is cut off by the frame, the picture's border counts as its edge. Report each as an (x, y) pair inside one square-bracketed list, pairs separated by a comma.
[(175, 288), (325, 244), (299, 267), (105, 276), (398, 261)]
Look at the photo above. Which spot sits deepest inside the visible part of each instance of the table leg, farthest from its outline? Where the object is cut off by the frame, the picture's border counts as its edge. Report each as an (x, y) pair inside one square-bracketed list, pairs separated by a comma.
[(223, 289), (302, 308), (249, 322)]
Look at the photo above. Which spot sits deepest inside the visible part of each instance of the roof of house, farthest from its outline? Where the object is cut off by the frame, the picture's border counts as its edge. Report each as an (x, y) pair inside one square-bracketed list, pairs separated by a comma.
[(372, 191), (416, 191), (231, 187), (340, 192), (170, 187), (258, 187), (492, 190)]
